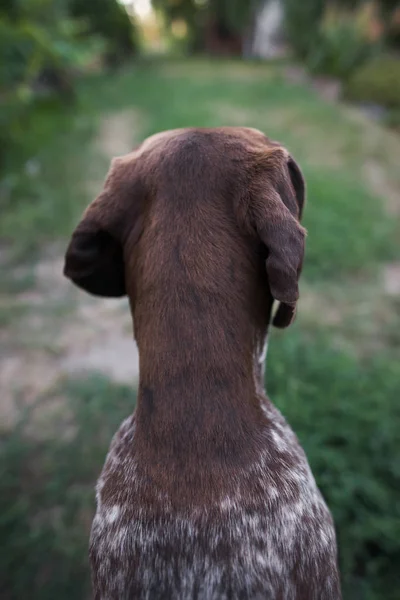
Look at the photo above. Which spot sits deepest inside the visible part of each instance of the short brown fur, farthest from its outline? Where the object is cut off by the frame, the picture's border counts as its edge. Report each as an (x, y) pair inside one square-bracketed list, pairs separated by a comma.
[(200, 228)]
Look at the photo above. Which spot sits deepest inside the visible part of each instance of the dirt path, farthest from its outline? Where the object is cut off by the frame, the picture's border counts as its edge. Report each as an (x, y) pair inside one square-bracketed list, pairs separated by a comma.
[(55, 330)]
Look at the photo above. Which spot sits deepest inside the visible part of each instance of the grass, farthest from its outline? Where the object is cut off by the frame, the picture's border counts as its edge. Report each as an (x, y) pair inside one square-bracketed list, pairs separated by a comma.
[(334, 374), (317, 133), (47, 499), (346, 414), (43, 189)]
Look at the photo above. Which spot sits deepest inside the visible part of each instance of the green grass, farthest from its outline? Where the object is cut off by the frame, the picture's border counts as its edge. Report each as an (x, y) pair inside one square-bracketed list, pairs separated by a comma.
[(344, 411), (348, 230), (47, 489), (346, 414), (168, 95), (334, 374), (43, 184)]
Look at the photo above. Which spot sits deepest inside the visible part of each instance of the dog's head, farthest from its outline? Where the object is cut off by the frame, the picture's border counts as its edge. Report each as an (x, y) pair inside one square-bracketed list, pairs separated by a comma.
[(259, 178)]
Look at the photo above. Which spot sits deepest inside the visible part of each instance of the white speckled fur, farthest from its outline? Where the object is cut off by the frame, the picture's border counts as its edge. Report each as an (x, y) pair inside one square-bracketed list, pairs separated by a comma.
[(291, 530), (208, 495)]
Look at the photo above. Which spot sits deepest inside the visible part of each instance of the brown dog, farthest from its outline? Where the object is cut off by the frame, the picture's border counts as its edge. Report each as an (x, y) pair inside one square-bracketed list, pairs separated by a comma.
[(206, 493)]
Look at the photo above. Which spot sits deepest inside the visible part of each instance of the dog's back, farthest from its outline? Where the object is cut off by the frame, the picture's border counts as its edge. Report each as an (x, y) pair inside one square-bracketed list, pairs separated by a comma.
[(206, 493)]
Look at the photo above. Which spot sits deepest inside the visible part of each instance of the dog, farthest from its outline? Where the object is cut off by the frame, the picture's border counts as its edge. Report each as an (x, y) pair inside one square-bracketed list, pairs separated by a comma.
[(206, 493)]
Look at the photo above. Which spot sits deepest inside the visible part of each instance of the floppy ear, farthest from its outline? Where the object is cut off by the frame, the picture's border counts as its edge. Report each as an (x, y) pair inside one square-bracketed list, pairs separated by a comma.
[(94, 258), (298, 183), (276, 204), (286, 313)]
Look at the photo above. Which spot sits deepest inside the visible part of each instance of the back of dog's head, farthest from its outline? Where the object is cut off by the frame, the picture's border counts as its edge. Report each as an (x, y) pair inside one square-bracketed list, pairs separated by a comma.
[(200, 217)]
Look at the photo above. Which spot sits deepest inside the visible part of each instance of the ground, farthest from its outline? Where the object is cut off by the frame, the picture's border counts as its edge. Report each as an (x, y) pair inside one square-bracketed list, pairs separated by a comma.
[(60, 330), (68, 363)]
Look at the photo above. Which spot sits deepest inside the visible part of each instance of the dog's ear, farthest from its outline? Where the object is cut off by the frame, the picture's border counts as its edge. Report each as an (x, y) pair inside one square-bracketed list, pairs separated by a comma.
[(277, 195), (286, 313), (298, 183), (94, 259)]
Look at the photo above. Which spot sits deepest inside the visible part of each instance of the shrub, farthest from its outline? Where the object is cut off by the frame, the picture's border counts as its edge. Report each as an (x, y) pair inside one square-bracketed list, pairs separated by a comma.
[(341, 45), (346, 415), (392, 119), (109, 19), (301, 23), (41, 48), (377, 82), (43, 45)]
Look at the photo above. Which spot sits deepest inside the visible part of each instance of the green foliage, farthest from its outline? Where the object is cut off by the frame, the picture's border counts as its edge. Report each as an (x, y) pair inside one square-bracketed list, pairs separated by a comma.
[(345, 410), (348, 229), (44, 44), (302, 21), (341, 46), (229, 16), (35, 207), (37, 39), (47, 491), (40, 34), (392, 119), (378, 82), (345, 226), (234, 14), (188, 11), (109, 19), (332, 38), (346, 415)]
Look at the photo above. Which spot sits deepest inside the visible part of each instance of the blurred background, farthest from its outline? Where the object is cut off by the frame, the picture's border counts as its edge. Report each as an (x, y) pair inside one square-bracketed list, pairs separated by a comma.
[(84, 80)]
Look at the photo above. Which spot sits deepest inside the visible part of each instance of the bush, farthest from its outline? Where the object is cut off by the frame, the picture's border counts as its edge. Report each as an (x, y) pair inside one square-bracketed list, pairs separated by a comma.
[(301, 23), (43, 46), (109, 19), (41, 49), (377, 82), (346, 415), (341, 45), (392, 119)]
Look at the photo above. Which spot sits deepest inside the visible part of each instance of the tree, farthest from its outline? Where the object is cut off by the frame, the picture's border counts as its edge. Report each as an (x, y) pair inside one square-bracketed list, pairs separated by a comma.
[(213, 25)]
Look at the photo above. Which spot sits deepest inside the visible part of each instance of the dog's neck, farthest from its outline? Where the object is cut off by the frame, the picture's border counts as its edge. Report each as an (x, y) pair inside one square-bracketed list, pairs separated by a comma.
[(201, 376)]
